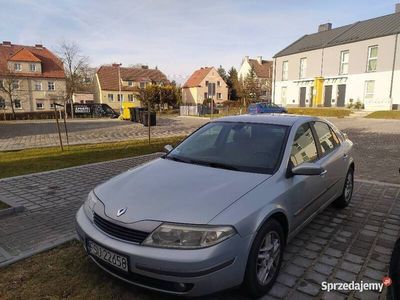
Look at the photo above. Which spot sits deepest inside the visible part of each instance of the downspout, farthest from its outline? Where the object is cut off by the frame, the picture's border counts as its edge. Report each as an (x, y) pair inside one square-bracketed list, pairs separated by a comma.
[(273, 93), (393, 67)]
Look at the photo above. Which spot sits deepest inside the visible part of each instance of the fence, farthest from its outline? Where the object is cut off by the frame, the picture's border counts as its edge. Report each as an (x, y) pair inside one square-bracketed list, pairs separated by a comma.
[(194, 110)]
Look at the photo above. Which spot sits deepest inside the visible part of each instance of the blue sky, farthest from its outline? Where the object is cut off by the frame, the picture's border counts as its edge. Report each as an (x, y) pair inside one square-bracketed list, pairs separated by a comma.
[(177, 36)]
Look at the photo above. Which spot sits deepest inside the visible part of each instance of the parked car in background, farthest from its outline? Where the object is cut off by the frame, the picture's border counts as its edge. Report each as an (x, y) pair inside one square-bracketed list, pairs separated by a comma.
[(265, 107), (217, 211)]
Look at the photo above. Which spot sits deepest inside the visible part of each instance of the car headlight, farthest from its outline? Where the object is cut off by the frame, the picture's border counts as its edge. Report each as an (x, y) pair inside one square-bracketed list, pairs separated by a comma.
[(188, 236), (89, 205)]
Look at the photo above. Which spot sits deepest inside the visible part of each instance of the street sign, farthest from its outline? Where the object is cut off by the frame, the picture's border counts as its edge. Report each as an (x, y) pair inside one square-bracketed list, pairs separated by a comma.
[(211, 89)]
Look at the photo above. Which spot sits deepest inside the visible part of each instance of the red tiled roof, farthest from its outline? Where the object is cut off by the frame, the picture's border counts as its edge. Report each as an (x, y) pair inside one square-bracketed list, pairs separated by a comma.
[(263, 70), (24, 55), (196, 78), (52, 66), (108, 77)]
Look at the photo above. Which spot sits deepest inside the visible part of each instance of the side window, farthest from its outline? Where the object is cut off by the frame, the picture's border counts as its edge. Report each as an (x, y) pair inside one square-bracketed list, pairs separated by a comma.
[(303, 148), (326, 136)]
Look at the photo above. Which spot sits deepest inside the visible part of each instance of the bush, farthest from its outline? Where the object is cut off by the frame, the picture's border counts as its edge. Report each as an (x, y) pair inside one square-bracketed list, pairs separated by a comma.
[(322, 112), (37, 115)]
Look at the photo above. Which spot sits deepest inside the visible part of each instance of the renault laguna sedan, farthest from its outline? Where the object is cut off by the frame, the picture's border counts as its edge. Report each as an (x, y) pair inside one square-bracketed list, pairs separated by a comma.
[(216, 211)]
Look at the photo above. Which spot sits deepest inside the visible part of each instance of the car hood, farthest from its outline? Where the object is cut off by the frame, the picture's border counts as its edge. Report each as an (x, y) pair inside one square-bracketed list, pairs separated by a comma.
[(165, 190)]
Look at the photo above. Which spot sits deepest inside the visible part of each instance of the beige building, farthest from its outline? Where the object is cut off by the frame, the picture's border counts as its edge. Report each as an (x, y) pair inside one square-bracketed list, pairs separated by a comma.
[(37, 78), (195, 89), (263, 70), (337, 67), (82, 98), (115, 84)]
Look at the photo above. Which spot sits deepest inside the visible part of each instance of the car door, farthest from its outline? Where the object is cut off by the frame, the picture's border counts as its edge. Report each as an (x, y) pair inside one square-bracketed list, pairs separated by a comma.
[(332, 160), (303, 190)]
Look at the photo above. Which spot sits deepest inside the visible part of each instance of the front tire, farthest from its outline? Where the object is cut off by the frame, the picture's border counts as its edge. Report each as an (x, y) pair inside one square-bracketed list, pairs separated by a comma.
[(265, 259), (347, 193)]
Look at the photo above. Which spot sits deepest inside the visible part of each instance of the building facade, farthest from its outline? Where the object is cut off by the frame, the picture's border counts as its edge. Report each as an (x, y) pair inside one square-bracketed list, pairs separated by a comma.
[(32, 75), (356, 63), (115, 84), (195, 89), (263, 70)]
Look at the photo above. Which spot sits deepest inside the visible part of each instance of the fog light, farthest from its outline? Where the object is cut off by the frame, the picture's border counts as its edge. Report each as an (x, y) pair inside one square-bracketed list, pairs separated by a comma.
[(181, 287)]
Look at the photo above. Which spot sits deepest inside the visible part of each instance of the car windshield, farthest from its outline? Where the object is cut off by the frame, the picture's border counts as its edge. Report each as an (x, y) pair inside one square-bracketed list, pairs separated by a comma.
[(248, 147)]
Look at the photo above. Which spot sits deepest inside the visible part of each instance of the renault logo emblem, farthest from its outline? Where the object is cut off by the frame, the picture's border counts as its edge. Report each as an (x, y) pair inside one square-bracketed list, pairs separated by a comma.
[(121, 211)]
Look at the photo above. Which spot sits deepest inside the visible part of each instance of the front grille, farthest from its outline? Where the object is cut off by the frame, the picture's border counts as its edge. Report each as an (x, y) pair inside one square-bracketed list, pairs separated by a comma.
[(120, 232)]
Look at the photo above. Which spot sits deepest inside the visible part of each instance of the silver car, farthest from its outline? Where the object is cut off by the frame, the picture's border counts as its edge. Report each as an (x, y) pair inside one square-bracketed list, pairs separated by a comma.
[(216, 211)]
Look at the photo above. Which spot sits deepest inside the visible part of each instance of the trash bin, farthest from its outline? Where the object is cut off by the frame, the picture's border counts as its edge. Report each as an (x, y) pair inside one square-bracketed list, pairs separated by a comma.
[(132, 114), (145, 119), (138, 114)]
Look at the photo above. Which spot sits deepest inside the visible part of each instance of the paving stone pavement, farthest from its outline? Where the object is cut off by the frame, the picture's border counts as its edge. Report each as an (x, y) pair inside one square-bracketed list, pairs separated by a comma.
[(16, 135), (337, 246)]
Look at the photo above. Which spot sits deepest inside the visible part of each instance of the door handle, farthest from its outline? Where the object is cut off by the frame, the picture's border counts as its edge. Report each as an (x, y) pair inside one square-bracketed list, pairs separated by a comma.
[(323, 173), (345, 156)]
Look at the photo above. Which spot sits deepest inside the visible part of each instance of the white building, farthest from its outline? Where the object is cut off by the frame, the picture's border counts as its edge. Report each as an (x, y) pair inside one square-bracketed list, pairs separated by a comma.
[(336, 67)]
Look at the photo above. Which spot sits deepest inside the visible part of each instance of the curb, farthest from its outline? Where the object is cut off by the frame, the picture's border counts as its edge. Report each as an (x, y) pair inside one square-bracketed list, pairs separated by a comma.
[(46, 247), (11, 210)]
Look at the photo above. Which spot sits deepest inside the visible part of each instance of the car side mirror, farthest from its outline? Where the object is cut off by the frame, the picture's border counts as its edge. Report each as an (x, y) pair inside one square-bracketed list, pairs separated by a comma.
[(308, 169), (168, 148)]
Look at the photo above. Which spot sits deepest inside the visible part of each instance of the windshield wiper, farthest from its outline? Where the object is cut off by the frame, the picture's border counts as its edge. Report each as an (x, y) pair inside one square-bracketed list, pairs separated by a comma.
[(175, 158), (214, 165)]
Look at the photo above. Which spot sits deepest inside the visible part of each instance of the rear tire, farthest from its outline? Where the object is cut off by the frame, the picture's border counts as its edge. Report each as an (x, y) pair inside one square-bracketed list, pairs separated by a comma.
[(265, 259), (347, 193)]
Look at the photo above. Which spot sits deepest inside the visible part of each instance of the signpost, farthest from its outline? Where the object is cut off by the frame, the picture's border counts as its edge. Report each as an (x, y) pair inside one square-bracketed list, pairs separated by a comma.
[(211, 94)]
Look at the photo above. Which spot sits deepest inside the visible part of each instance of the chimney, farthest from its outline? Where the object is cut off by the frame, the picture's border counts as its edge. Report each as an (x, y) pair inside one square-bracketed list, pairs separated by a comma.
[(39, 46), (324, 27), (6, 43), (397, 10), (116, 65), (259, 59), (145, 67)]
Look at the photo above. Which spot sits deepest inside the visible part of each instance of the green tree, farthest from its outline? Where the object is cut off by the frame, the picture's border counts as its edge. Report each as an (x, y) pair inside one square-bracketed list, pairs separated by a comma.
[(222, 73), (251, 88), (234, 85)]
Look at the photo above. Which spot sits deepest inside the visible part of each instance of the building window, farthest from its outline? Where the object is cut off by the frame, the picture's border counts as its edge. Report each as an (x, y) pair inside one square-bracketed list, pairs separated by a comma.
[(142, 85), (51, 85), (131, 98), (344, 62), (2, 103), (206, 82), (120, 97), (52, 105), (17, 104), (205, 96), (219, 95), (32, 67), (39, 105), (369, 89), (38, 86), (130, 83), (372, 58), (285, 69), (1, 83), (15, 85), (110, 97), (303, 68), (218, 83), (17, 67)]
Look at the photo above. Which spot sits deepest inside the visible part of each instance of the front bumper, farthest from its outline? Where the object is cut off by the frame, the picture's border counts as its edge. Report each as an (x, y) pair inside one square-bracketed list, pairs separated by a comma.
[(175, 271)]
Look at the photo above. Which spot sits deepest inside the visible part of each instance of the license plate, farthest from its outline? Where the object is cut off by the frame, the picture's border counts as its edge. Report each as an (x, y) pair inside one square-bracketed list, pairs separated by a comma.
[(110, 257)]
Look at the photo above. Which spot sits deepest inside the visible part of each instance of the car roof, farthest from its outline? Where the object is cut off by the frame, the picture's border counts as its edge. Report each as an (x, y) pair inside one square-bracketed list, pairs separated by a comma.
[(276, 119)]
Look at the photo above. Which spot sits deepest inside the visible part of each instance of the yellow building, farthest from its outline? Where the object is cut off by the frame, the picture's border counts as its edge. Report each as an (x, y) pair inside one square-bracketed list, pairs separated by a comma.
[(115, 84)]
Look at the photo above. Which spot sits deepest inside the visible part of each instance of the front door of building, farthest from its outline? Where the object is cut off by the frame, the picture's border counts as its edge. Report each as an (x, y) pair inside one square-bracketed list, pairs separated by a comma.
[(302, 97), (328, 96), (341, 94)]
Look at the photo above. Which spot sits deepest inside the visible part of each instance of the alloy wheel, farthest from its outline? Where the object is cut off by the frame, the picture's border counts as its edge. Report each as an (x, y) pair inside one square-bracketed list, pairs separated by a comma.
[(268, 258)]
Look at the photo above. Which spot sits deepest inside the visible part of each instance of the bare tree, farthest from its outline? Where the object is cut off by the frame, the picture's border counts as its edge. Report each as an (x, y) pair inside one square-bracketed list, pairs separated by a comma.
[(9, 85), (76, 67)]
